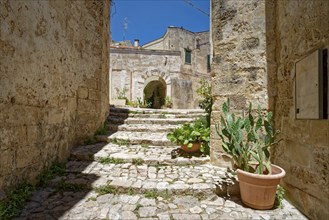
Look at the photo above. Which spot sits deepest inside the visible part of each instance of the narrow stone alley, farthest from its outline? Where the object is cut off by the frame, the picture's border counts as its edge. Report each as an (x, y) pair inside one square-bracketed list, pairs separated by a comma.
[(135, 176)]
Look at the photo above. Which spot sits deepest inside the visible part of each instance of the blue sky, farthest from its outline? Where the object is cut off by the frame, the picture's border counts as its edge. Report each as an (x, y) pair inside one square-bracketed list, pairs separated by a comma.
[(148, 20)]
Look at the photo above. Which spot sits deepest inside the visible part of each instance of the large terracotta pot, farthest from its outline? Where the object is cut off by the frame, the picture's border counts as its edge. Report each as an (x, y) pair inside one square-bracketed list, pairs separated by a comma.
[(195, 148), (258, 191)]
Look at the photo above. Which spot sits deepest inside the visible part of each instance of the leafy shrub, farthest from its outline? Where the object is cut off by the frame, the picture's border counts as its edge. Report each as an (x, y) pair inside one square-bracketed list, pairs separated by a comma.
[(190, 133), (206, 102)]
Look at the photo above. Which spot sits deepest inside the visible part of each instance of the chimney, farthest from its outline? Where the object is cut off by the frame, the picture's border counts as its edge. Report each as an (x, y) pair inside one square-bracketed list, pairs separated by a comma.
[(136, 43)]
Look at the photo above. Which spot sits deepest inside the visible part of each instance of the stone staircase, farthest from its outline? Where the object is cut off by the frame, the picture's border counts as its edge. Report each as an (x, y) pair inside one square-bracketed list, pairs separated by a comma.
[(147, 126), (140, 134), (134, 176)]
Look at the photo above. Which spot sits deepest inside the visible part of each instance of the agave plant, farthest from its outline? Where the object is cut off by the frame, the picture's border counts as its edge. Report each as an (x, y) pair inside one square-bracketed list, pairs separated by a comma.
[(247, 139)]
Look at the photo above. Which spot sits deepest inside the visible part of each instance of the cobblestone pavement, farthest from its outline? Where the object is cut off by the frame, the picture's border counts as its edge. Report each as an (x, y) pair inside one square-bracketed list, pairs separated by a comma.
[(122, 180)]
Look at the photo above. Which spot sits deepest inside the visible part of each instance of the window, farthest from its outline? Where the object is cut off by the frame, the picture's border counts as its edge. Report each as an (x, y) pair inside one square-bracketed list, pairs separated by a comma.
[(312, 86), (188, 56), (208, 63)]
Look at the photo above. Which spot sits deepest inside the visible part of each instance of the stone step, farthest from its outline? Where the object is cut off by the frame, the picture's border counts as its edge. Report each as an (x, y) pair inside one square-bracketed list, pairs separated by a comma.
[(154, 115), (148, 121), (157, 111), (143, 128), (151, 155), (201, 180), (156, 138)]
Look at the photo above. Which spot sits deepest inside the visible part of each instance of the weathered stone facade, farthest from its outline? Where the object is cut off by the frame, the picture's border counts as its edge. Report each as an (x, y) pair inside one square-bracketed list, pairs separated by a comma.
[(162, 60), (300, 28), (293, 30), (53, 81), (134, 68), (239, 62)]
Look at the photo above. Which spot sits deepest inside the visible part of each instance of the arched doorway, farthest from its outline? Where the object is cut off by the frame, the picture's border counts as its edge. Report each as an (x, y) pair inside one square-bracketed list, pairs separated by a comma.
[(155, 93)]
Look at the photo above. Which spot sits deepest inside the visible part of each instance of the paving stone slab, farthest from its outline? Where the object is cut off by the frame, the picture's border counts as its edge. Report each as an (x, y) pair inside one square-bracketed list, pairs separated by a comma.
[(89, 205)]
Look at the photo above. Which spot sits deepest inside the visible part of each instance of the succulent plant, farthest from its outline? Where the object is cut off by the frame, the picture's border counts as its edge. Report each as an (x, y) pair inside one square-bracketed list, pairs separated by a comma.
[(248, 138)]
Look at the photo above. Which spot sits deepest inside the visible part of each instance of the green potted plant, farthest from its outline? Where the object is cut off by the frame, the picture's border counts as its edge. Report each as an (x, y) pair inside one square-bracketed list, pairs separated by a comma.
[(247, 140), (192, 137)]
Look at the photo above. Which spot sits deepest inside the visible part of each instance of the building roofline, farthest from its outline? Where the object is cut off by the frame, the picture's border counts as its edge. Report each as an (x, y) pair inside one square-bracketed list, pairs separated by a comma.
[(172, 27), (132, 50)]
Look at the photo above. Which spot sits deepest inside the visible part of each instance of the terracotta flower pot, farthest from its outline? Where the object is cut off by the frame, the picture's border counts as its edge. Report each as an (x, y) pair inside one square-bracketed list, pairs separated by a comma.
[(258, 191), (195, 148)]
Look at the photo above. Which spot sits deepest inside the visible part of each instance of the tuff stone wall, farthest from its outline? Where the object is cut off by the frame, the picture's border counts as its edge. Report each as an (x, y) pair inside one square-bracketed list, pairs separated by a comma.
[(165, 58), (53, 81), (133, 69), (179, 39), (239, 61), (301, 27)]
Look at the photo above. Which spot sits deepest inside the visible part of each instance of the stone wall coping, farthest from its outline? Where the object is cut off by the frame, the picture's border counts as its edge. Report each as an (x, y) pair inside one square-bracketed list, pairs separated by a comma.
[(146, 52)]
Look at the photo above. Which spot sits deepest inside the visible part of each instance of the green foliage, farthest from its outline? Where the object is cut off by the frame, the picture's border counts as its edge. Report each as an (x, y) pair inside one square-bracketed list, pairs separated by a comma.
[(247, 139), (168, 102), (131, 191), (103, 130), (17, 197), (153, 194), (108, 160), (138, 161), (190, 133), (93, 198), (121, 142), (279, 197), (138, 206), (145, 146), (72, 187), (106, 190), (15, 201), (121, 94), (206, 102), (56, 169), (90, 141)]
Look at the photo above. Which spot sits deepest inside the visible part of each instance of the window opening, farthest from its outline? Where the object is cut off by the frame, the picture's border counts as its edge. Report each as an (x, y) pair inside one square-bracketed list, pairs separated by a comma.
[(208, 63), (188, 56)]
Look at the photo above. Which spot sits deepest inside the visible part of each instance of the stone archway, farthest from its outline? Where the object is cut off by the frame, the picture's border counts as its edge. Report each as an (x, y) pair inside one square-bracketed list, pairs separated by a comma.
[(155, 91)]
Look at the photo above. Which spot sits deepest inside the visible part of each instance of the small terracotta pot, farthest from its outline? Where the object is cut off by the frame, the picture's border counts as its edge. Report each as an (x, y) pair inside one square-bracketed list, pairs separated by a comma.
[(195, 148), (258, 191)]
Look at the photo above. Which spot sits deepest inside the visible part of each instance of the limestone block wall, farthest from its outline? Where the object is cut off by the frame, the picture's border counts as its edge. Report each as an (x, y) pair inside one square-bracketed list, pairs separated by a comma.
[(239, 61), (53, 81), (301, 28), (179, 39), (135, 68)]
